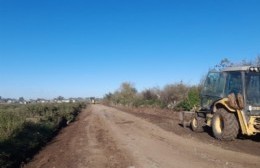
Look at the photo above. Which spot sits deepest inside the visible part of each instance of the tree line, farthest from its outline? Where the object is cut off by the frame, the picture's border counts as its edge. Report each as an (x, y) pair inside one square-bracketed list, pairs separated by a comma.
[(177, 96)]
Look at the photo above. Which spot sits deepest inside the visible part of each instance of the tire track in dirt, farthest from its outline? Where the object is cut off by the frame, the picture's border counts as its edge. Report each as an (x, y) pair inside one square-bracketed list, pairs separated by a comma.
[(151, 146), (102, 147), (86, 143)]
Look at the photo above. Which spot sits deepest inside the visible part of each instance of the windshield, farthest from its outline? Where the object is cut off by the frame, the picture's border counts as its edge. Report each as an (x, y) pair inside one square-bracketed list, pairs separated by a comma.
[(253, 88), (213, 89), (214, 84)]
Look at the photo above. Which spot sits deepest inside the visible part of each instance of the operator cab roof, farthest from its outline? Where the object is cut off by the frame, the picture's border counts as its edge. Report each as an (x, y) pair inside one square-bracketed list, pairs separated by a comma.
[(236, 68), (242, 68)]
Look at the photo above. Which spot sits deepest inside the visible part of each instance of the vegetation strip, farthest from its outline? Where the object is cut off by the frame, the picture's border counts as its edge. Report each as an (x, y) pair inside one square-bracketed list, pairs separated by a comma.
[(24, 129)]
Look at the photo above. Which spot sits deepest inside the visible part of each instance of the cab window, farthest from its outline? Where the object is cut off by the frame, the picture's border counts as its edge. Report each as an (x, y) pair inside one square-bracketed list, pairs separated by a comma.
[(214, 84), (234, 83)]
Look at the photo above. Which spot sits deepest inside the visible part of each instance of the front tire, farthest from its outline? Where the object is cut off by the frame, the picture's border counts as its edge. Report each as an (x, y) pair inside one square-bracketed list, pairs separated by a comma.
[(225, 125)]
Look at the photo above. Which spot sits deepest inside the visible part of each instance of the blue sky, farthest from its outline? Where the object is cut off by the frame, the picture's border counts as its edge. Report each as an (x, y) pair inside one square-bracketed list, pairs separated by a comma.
[(88, 48)]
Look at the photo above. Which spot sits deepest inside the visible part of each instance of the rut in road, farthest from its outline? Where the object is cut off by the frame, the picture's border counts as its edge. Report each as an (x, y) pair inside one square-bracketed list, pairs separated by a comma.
[(106, 137)]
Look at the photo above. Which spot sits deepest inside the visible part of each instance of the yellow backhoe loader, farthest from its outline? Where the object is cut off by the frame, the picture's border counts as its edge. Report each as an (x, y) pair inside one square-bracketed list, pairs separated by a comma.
[(230, 103)]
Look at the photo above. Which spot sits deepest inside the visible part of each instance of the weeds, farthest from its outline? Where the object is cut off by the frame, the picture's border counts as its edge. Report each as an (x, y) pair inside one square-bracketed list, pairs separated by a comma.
[(24, 129)]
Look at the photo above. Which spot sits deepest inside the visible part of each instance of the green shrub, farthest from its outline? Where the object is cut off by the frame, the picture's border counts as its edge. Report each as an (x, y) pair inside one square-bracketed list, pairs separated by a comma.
[(191, 101)]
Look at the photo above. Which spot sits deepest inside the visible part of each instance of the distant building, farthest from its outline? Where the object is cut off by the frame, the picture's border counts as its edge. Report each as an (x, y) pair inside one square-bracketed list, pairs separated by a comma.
[(65, 101), (9, 101), (23, 102), (39, 100)]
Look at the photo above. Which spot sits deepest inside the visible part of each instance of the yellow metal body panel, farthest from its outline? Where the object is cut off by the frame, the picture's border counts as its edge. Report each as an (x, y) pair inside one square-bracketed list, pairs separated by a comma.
[(223, 102), (243, 124), (246, 128), (252, 122), (209, 119)]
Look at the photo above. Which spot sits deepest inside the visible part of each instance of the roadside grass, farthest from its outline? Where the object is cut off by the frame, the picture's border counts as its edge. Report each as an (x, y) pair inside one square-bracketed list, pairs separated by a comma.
[(24, 129)]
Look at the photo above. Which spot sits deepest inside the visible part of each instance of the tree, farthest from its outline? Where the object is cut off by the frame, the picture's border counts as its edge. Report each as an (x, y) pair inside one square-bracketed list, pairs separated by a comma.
[(108, 96), (60, 98), (257, 60), (128, 88), (149, 94), (174, 93), (223, 64), (246, 63), (126, 93), (21, 99)]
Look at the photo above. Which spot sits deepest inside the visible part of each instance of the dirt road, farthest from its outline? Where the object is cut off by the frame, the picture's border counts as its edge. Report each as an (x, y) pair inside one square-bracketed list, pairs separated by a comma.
[(105, 137)]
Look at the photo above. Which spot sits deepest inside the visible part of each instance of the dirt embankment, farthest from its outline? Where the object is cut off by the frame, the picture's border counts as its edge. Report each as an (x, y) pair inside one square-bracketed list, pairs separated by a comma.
[(106, 137)]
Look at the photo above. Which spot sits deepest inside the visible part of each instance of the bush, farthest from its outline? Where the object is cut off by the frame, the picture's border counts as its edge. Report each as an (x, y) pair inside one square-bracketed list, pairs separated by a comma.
[(192, 100), (174, 93)]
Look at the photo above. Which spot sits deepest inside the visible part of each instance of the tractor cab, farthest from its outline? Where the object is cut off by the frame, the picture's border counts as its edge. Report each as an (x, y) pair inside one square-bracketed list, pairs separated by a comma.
[(243, 80)]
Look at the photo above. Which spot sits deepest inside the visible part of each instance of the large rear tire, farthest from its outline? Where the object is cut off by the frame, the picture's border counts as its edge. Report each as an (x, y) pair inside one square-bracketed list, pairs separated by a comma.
[(225, 125), (197, 124)]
